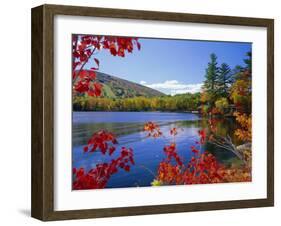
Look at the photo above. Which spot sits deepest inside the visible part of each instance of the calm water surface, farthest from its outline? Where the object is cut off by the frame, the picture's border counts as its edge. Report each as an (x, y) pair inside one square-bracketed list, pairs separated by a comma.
[(148, 152)]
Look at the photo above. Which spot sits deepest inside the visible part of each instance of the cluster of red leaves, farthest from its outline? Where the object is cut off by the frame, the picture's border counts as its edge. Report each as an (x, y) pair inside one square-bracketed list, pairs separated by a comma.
[(85, 83), (204, 169), (98, 176), (153, 129), (200, 169), (202, 135), (100, 140), (174, 131), (171, 153), (83, 49), (119, 45), (194, 150)]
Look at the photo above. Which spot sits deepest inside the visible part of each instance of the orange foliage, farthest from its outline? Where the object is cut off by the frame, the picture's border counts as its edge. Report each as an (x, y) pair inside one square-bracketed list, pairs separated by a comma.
[(200, 169), (245, 132), (153, 129), (241, 93)]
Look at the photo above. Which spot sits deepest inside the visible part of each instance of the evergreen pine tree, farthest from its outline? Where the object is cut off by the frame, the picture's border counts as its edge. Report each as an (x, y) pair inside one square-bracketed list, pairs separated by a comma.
[(224, 79), (211, 73), (211, 80)]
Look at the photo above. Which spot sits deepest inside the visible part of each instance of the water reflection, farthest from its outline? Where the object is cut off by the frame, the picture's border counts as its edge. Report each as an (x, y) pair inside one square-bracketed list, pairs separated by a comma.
[(148, 152)]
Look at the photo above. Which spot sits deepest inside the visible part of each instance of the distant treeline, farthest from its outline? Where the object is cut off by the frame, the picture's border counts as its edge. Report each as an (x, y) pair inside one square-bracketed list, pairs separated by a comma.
[(181, 102)]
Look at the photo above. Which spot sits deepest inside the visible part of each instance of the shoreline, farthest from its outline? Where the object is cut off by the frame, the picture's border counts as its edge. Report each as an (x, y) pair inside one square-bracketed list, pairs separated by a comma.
[(189, 112), (179, 112)]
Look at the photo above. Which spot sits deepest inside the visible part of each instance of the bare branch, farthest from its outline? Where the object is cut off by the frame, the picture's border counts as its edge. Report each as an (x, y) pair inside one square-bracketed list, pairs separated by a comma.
[(227, 144)]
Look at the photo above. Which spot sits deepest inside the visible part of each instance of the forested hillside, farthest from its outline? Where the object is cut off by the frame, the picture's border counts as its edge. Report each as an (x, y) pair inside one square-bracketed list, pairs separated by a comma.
[(114, 87)]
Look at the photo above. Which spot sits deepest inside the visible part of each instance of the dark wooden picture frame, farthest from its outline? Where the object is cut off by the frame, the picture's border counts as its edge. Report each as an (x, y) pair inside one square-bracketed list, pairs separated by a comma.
[(42, 203)]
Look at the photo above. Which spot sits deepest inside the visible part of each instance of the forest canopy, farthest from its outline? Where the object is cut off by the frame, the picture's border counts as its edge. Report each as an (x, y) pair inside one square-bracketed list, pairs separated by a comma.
[(224, 91), (180, 102)]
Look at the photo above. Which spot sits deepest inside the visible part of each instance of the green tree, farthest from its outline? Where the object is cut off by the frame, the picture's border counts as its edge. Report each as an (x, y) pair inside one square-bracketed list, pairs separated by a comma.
[(224, 79), (211, 74), (211, 82)]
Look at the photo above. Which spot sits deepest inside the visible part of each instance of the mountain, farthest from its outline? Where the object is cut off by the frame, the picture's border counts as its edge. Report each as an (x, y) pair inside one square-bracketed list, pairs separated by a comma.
[(115, 87)]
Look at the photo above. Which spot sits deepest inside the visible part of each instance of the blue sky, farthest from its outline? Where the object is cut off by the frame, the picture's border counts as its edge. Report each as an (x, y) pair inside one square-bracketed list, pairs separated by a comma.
[(171, 66)]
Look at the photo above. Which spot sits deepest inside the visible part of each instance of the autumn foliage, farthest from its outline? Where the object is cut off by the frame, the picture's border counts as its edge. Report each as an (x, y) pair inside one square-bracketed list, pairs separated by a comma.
[(228, 93), (84, 48), (152, 129), (202, 168), (98, 176), (244, 133), (101, 140)]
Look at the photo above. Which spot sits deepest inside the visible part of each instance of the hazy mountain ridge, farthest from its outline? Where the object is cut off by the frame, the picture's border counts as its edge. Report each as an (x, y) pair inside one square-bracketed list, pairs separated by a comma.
[(115, 87)]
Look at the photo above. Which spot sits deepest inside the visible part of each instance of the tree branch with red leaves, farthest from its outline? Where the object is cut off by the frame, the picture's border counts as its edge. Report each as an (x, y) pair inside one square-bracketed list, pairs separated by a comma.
[(84, 47)]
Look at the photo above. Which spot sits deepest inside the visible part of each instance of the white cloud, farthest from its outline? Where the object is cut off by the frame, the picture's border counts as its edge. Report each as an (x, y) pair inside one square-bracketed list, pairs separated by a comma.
[(174, 87)]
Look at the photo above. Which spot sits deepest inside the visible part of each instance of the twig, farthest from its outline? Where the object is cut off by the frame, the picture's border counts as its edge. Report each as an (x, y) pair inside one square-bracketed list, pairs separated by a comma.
[(149, 170), (227, 146)]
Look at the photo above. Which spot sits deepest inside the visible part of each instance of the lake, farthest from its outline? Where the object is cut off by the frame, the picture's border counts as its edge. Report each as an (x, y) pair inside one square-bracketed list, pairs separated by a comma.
[(148, 152)]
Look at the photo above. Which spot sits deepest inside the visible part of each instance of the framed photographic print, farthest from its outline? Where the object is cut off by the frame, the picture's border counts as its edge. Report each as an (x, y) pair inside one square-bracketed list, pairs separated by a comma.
[(141, 112)]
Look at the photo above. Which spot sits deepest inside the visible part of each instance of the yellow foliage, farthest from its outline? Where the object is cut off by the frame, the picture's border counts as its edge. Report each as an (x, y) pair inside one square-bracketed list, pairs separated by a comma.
[(222, 104), (240, 92), (245, 132), (204, 97)]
